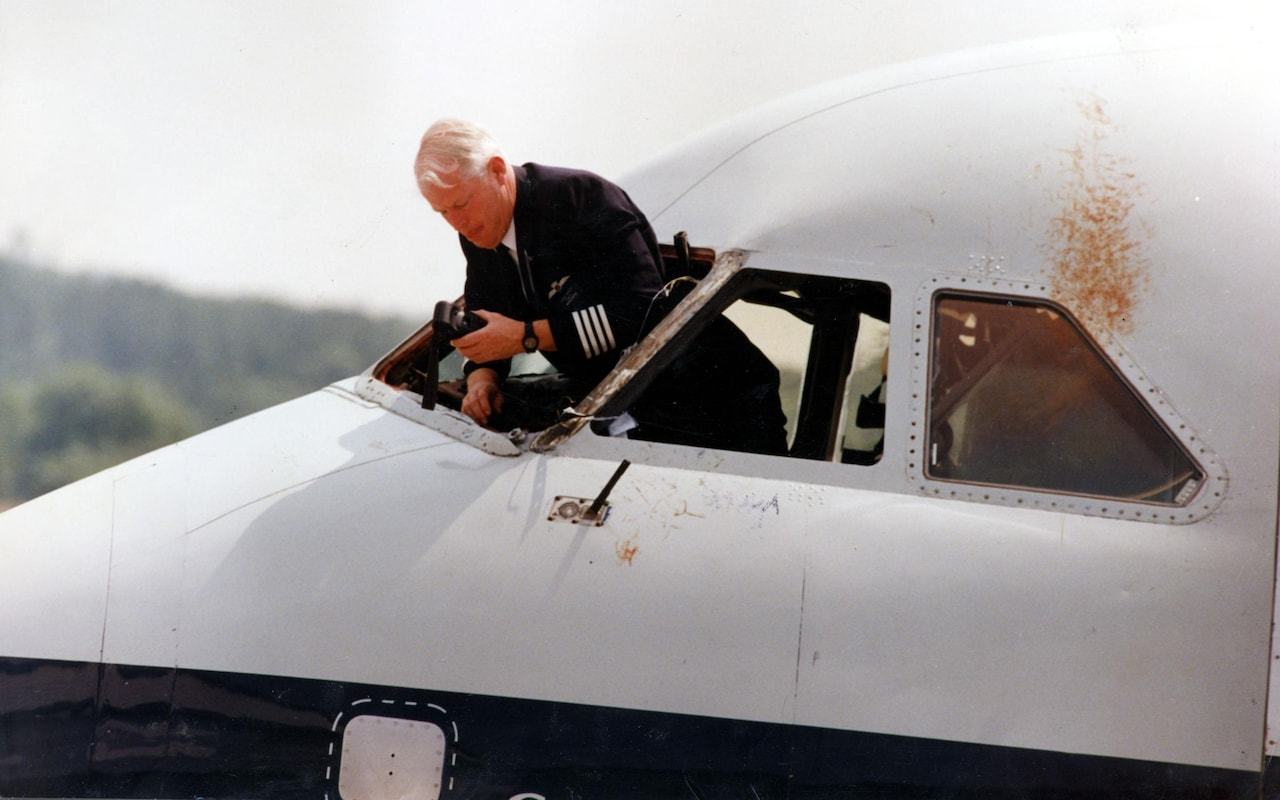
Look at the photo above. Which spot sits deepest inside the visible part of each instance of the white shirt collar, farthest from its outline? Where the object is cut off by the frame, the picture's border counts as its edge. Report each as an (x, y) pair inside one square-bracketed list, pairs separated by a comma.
[(509, 238)]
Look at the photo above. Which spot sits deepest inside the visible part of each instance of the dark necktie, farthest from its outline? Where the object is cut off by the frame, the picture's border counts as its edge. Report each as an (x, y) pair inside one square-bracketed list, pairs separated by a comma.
[(526, 279)]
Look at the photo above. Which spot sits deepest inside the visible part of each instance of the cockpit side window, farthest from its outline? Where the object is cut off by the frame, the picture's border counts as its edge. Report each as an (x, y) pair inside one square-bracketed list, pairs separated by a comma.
[(1020, 397), (827, 337)]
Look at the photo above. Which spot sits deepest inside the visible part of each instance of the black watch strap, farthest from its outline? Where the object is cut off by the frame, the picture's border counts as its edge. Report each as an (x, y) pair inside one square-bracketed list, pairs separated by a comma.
[(530, 338)]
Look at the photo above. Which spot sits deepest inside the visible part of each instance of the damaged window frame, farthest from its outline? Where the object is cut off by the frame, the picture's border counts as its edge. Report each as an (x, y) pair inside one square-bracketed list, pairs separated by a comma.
[(718, 281), (402, 370)]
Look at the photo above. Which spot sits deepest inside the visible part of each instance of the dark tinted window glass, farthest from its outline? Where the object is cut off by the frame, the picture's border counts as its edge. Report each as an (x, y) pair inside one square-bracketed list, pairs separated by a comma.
[(1019, 397)]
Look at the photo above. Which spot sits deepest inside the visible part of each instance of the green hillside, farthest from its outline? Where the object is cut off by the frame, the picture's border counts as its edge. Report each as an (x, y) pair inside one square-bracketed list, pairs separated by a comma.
[(95, 370)]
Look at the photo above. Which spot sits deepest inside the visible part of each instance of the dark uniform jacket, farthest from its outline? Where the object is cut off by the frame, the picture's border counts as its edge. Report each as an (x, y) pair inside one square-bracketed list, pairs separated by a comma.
[(589, 264)]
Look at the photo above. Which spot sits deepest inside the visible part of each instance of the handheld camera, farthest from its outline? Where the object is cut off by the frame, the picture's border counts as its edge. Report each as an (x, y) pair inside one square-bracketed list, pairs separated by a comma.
[(452, 321)]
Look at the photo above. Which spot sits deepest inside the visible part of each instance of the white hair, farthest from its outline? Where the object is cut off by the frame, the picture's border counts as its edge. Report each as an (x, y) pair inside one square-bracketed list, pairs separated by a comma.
[(453, 146)]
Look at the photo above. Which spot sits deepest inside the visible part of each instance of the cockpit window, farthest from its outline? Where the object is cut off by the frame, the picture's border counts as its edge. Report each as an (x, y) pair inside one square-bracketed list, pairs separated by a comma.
[(1020, 397), (827, 337)]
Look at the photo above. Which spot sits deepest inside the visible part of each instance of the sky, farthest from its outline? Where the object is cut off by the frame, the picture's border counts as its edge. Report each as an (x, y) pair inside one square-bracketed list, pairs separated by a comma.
[(265, 148)]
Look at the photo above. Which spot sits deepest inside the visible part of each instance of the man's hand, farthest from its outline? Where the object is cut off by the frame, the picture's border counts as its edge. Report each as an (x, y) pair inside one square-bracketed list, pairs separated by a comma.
[(501, 337), (484, 398)]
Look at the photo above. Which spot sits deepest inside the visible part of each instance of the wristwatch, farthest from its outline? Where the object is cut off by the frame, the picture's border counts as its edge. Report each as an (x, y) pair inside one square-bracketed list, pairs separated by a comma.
[(530, 340)]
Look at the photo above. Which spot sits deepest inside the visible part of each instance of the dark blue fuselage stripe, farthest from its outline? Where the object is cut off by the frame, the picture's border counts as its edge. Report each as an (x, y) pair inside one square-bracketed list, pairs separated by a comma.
[(80, 730)]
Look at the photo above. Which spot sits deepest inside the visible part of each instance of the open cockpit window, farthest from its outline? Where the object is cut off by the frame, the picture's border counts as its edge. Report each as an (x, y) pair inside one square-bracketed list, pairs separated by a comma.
[(828, 339), (826, 336), (535, 396), (534, 393), (1020, 397)]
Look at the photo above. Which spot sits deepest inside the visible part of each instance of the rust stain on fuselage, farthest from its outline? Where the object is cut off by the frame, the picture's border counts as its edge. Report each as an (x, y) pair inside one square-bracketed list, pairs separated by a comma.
[(1098, 269), (626, 551)]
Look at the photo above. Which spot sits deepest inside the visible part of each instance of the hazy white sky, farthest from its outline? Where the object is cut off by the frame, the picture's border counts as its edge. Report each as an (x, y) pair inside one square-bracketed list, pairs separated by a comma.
[(266, 148)]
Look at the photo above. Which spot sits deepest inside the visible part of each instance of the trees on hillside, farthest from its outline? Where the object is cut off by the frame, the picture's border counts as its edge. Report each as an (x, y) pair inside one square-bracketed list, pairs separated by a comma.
[(95, 370), (82, 420), (223, 357)]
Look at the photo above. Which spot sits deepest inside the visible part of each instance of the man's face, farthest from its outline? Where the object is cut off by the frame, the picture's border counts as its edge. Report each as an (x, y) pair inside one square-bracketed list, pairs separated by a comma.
[(479, 207)]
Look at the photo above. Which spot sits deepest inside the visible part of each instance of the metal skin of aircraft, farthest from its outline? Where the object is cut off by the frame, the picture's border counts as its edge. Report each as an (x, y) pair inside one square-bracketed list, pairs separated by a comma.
[(1024, 544)]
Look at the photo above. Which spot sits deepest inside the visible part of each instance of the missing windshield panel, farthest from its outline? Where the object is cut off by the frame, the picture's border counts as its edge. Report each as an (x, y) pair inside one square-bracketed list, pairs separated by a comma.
[(819, 341), (535, 396)]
